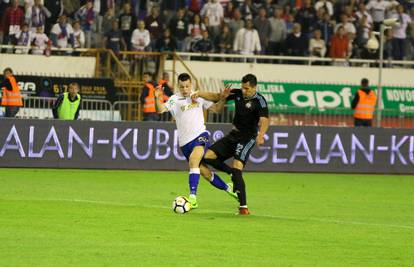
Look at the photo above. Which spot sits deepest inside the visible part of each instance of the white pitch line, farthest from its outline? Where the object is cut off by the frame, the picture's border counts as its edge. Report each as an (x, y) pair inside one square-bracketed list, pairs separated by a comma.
[(316, 219)]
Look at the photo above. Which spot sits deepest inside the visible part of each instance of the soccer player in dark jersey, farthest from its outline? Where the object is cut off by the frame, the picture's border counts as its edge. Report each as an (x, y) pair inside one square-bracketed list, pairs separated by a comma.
[(250, 123)]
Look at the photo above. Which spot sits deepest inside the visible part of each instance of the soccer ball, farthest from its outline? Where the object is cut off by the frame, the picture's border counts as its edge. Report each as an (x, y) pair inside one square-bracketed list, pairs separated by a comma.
[(181, 205)]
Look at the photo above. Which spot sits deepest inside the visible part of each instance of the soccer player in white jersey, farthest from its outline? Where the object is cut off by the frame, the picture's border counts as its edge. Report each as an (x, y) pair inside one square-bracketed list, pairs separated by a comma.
[(192, 135)]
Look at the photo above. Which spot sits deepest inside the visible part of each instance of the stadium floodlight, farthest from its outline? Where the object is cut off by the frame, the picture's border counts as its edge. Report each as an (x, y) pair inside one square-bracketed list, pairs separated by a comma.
[(386, 24)]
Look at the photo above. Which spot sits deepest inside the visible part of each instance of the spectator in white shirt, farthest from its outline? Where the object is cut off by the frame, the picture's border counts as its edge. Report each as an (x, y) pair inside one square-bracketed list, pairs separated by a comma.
[(317, 46), (140, 41), (247, 40), (377, 8), (40, 41), (78, 35), (36, 15), (62, 33), (399, 33), (348, 26), (214, 11)]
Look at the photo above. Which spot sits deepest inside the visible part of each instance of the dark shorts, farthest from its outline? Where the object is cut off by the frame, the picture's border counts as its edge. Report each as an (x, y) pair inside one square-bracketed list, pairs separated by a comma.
[(363, 123), (201, 140), (234, 145)]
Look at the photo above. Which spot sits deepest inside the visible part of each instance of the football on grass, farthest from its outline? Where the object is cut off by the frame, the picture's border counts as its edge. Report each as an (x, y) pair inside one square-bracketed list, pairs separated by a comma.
[(181, 205)]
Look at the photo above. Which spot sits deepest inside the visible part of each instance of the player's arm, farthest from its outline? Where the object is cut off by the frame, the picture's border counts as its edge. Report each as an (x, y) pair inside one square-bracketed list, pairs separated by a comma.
[(161, 108), (219, 105), (214, 97), (263, 126)]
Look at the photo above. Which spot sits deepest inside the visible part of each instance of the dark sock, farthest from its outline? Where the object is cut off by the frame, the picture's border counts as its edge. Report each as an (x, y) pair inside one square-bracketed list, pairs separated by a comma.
[(218, 164), (218, 182), (238, 186)]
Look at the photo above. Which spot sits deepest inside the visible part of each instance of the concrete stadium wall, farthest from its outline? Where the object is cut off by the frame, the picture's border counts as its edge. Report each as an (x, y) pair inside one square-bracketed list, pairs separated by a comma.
[(64, 66), (154, 146)]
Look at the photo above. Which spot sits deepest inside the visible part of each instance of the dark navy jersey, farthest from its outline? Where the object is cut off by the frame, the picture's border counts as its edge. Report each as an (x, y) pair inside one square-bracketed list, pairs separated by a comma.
[(248, 112)]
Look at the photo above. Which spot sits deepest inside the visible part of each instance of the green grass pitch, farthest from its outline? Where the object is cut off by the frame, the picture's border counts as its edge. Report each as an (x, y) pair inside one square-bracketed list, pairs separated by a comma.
[(124, 218)]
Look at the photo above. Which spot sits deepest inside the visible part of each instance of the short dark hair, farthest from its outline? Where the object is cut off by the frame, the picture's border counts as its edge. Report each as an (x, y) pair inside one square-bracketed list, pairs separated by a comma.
[(74, 84), (364, 82), (250, 78), (184, 77), (8, 69)]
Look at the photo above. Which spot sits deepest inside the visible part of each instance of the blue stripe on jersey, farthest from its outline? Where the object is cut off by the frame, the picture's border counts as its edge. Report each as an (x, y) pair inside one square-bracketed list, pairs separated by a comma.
[(262, 101), (246, 149)]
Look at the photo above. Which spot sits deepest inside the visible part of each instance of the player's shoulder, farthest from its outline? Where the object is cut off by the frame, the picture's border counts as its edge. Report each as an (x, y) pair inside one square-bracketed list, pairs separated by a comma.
[(261, 100)]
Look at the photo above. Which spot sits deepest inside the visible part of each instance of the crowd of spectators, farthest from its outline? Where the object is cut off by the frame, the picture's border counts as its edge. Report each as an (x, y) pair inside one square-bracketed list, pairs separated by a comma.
[(318, 28)]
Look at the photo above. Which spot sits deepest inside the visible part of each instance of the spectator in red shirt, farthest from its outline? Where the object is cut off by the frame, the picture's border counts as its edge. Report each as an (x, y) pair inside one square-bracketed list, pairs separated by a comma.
[(339, 44), (12, 21)]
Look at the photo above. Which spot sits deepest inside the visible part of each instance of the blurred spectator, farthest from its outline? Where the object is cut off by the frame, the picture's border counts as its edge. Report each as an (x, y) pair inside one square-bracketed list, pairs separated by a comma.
[(195, 30), (204, 46), (377, 9), (262, 25), (248, 10), (12, 20), (141, 38), (348, 26), (339, 45), (296, 42), (113, 39), (278, 33), (179, 28), (236, 23), (62, 33), (224, 42), (363, 29), (166, 86), (362, 11), (147, 99), (326, 5), (36, 15), (87, 16), (400, 33), (269, 7), (317, 47), (40, 42), (410, 47), (78, 35), (140, 41), (154, 25), (127, 23), (166, 42), (70, 7), (107, 20), (290, 22), (326, 26), (215, 13), (56, 9), (247, 41), (195, 6), (24, 38), (228, 12), (306, 17), (11, 97)]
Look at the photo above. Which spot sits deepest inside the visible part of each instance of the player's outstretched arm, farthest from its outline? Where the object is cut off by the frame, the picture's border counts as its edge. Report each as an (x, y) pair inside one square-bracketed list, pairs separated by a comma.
[(159, 101), (214, 97), (219, 105)]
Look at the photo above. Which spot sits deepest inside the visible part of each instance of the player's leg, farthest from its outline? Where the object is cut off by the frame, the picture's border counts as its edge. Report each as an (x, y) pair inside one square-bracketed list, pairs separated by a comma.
[(241, 155), (240, 186), (219, 152), (215, 180), (194, 175)]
